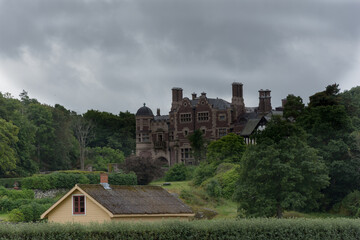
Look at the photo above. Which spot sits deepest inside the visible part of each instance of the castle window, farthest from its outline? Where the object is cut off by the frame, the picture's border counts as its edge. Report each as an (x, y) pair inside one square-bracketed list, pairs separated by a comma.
[(185, 117), (145, 137), (222, 132), (186, 154), (145, 122), (222, 117), (203, 116)]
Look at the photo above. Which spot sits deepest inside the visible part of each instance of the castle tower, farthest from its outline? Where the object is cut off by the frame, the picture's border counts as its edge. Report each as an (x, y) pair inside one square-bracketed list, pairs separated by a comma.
[(264, 101), (237, 101), (177, 96), (144, 116)]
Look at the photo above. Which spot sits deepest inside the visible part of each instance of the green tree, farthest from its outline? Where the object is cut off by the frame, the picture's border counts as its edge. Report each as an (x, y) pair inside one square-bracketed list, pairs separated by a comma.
[(83, 131), (197, 143), (294, 106), (281, 172), (101, 157), (229, 148), (8, 140)]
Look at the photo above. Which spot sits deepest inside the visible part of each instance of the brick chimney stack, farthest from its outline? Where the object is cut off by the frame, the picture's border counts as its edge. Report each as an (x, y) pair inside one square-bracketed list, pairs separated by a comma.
[(193, 96), (104, 181), (158, 112)]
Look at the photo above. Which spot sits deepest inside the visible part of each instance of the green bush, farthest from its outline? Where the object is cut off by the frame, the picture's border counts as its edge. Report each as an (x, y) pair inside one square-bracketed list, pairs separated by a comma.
[(122, 179), (279, 229), (36, 182), (213, 188), (178, 172), (16, 194), (350, 205), (16, 215), (9, 182), (202, 172)]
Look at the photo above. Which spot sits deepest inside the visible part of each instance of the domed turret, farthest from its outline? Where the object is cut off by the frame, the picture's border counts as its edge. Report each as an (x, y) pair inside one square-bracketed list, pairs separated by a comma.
[(144, 111)]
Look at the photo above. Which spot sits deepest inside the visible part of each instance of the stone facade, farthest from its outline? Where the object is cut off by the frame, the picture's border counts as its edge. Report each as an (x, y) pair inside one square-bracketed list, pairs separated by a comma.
[(165, 137)]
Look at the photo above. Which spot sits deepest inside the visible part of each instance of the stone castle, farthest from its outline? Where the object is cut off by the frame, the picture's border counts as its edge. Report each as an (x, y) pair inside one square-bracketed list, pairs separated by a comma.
[(165, 137)]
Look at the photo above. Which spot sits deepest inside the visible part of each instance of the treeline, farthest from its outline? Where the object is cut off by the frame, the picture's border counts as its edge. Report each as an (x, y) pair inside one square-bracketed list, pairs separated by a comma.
[(37, 137)]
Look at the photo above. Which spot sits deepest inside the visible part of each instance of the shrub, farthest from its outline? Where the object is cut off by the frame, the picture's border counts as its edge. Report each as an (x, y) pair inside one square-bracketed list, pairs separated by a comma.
[(36, 182), (203, 172), (122, 179), (17, 194), (213, 188), (16, 215), (177, 172), (350, 205), (9, 182)]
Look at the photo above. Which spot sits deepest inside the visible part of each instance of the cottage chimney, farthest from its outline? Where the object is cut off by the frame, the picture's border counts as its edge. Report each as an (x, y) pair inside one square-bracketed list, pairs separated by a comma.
[(193, 96), (158, 112), (104, 180)]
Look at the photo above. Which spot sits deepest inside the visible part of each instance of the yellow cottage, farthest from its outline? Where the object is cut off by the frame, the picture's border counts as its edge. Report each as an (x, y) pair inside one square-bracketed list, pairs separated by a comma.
[(103, 202)]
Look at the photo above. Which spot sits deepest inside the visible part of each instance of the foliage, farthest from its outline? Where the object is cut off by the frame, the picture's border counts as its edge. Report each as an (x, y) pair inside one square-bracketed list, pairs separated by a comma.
[(281, 172), (350, 205), (177, 172), (197, 143), (294, 229), (28, 213), (213, 188), (294, 107), (9, 182), (122, 179), (100, 157), (146, 169), (202, 172), (229, 148), (227, 179), (113, 131), (8, 140), (16, 194)]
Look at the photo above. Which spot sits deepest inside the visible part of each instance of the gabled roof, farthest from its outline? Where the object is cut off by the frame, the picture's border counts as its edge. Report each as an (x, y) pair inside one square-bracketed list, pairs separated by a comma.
[(250, 127), (127, 200), (136, 199), (217, 103)]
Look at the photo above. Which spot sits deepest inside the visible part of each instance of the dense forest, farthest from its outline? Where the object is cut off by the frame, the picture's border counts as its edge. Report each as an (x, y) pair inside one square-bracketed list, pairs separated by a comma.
[(37, 137)]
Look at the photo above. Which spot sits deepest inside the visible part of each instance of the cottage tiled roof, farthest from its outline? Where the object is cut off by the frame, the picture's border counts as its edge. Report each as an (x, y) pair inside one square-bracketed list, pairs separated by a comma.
[(135, 199)]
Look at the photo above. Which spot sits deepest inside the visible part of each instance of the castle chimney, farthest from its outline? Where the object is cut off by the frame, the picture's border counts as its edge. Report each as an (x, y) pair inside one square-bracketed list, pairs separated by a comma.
[(283, 102), (158, 112), (177, 96), (203, 94), (193, 96), (237, 101), (264, 101)]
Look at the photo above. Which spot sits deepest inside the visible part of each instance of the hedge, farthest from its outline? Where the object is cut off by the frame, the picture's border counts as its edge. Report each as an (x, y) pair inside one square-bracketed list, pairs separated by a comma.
[(332, 229), (9, 182), (59, 180)]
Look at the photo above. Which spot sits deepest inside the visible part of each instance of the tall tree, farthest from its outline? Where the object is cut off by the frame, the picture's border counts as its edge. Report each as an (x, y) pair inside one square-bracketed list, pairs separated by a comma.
[(294, 107), (198, 147), (82, 130), (281, 172), (8, 139)]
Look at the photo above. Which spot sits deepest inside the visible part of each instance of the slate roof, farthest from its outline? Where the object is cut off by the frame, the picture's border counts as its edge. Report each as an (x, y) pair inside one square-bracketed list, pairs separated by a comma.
[(135, 199), (217, 103), (144, 111), (161, 118), (250, 127)]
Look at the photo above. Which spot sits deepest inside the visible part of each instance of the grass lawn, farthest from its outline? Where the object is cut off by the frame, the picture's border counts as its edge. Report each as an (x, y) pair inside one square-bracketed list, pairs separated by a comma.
[(4, 216)]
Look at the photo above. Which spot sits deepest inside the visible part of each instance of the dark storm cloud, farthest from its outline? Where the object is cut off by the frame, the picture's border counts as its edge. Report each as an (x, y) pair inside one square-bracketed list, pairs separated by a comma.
[(114, 55)]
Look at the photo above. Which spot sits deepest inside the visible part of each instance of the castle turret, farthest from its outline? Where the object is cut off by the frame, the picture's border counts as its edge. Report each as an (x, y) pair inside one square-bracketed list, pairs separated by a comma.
[(143, 117)]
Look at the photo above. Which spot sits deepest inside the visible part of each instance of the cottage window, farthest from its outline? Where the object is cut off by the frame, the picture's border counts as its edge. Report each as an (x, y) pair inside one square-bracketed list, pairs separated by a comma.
[(79, 204)]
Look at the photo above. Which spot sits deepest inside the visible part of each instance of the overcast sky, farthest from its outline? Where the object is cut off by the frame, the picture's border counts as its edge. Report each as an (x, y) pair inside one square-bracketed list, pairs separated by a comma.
[(114, 55)]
